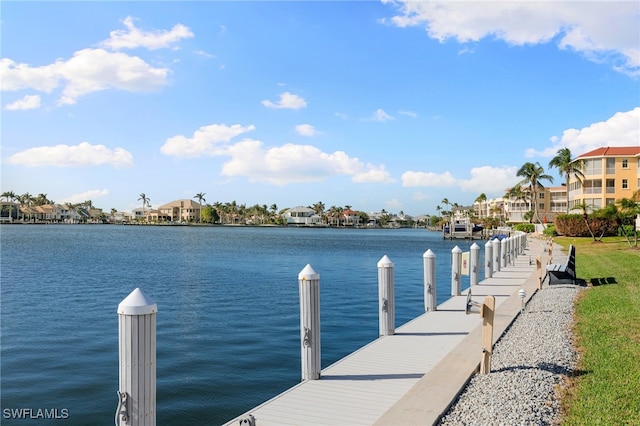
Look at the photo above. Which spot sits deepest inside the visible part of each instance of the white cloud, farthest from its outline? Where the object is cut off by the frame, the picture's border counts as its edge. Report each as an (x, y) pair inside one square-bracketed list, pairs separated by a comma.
[(14, 76), (487, 179), (133, 37), (306, 130), (408, 113), (582, 26), (428, 179), (88, 71), (393, 204), (291, 163), (207, 140), (287, 101), (81, 155), (28, 102), (373, 174), (622, 129), (490, 180), (380, 115), (84, 196), (91, 70)]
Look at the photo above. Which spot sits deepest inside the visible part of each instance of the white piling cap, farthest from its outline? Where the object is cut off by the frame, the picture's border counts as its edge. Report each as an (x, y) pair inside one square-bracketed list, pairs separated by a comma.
[(308, 273), (489, 243), (456, 249), (137, 303), (429, 253), (385, 262)]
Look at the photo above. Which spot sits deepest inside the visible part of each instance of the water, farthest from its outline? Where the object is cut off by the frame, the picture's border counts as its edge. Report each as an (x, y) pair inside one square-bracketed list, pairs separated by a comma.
[(228, 320)]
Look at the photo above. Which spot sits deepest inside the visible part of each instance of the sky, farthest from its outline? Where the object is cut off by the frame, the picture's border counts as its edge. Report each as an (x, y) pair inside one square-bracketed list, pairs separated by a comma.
[(372, 104)]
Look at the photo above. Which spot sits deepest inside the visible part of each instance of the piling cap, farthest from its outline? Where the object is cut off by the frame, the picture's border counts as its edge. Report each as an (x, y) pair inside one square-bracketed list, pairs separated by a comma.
[(456, 249), (137, 303), (429, 253), (385, 262), (308, 273)]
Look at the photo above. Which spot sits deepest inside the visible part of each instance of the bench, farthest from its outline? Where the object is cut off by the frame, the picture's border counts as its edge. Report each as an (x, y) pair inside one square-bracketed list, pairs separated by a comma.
[(563, 273)]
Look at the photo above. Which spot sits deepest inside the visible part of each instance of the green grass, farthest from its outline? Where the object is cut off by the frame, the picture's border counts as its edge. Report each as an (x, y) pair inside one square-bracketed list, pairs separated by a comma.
[(606, 387)]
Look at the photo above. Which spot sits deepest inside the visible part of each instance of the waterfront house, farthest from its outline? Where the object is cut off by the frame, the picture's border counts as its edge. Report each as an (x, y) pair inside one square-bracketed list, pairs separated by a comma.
[(350, 217), (184, 210), (302, 216)]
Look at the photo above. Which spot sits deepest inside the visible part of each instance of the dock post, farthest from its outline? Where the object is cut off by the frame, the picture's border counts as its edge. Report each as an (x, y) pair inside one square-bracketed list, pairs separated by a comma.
[(496, 255), (456, 270), (137, 356), (386, 297), (503, 253), (488, 257), (309, 288), (488, 310), (473, 264), (430, 296)]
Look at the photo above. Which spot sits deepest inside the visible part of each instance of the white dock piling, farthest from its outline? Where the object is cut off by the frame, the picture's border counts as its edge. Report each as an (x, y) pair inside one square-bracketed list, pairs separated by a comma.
[(503, 253), (496, 255), (309, 288), (430, 296), (488, 258), (386, 297), (456, 270), (473, 264), (137, 347)]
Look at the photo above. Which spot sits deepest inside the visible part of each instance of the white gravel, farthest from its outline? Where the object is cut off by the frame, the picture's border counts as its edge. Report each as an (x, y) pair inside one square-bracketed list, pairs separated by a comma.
[(528, 362)]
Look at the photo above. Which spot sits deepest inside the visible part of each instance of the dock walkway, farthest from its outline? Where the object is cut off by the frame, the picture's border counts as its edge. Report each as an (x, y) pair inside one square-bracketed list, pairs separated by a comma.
[(413, 376)]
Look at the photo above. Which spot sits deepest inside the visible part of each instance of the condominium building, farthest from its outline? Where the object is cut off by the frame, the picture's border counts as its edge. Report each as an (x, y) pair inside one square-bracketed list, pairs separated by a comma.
[(610, 174)]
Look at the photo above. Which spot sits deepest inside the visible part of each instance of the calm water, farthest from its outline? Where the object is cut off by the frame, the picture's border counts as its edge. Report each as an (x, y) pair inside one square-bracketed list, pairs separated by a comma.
[(228, 320)]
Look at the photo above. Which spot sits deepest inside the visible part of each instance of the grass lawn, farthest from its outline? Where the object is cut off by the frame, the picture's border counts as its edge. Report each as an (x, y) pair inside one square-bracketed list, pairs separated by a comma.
[(606, 387)]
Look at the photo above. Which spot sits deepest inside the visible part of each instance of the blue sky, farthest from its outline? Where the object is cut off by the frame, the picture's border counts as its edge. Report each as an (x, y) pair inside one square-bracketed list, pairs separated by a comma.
[(377, 105)]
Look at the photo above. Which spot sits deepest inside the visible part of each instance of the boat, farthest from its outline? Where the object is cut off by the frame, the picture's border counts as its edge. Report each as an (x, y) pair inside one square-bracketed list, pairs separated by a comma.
[(462, 227)]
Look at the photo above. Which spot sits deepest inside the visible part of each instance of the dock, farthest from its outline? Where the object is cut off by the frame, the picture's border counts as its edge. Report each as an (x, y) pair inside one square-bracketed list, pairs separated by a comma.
[(413, 376)]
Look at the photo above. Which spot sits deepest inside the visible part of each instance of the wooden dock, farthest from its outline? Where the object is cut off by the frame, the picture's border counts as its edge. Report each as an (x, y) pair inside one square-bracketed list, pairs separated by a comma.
[(410, 377)]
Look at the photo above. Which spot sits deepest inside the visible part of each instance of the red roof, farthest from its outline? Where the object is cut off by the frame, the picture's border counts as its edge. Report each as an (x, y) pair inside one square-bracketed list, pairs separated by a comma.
[(613, 151)]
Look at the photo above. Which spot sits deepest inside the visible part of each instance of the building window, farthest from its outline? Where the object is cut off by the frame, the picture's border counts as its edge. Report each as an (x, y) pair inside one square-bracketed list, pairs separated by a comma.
[(541, 206), (625, 184), (611, 186), (611, 166), (541, 196), (625, 163), (593, 167)]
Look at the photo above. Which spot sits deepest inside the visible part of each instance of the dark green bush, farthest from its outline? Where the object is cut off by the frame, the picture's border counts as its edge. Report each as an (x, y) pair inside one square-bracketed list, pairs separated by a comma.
[(525, 227)]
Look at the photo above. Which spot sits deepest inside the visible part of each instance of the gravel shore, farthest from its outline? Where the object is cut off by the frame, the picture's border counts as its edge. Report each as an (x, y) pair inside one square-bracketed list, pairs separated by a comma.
[(528, 362)]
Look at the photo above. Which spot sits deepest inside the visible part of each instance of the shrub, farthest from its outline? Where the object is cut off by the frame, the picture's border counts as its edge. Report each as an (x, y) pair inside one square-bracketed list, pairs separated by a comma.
[(550, 231), (525, 227)]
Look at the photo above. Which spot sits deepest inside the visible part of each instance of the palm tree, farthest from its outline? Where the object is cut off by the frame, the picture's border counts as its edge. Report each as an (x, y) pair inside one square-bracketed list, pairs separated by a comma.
[(318, 208), (200, 197), (585, 215), (631, 208), (482, 200), (568, 167), (26, 199), (533, 174), (145, 202), (517, 193), (10, 196)]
